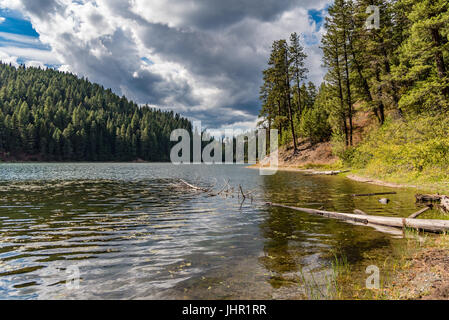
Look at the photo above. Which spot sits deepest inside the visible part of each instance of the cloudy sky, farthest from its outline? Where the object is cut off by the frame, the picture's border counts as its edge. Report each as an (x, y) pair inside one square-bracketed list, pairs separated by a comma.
[(201, 58)]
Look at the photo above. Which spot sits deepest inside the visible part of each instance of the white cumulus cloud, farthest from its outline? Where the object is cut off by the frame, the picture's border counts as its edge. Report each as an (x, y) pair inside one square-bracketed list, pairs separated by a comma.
[(202, 58)]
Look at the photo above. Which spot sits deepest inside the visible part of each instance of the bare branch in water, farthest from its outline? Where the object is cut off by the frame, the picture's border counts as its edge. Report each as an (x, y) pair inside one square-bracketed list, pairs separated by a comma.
[(193, 187), (226, 191)]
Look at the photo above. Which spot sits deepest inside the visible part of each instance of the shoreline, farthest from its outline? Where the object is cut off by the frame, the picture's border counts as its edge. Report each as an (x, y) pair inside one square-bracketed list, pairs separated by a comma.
[(357, 177), (377, 182), (288, 169), (411, 278)]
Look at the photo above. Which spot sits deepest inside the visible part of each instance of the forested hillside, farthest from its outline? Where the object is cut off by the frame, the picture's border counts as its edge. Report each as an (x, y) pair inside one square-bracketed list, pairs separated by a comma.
[(395, 75), (49, 115)]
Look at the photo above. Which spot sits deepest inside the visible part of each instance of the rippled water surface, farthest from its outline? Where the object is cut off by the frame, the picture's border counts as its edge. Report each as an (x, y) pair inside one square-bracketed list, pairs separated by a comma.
[(133, 231)]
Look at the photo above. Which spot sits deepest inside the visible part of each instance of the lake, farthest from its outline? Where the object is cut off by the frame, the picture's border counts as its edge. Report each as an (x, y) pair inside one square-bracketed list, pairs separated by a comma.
[(133, 231)]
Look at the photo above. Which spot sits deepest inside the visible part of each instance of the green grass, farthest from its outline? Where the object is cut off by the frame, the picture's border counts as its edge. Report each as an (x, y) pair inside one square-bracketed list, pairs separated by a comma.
[(337, 165), (413, 151), (427, 184), (347, 281)]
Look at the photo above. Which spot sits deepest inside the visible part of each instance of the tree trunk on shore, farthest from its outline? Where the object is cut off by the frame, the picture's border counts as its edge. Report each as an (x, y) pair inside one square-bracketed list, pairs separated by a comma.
[(428, 225)]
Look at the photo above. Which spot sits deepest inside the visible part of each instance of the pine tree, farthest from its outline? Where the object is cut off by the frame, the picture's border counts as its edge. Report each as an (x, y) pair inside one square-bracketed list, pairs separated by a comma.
[(298, 70), (334, 60), (62, 117), (3, 134), (424, 57), (276, 91)]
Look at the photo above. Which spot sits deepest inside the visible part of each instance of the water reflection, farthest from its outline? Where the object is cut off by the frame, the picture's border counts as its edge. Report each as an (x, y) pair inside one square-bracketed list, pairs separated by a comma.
[(298, 244), (133, 233)]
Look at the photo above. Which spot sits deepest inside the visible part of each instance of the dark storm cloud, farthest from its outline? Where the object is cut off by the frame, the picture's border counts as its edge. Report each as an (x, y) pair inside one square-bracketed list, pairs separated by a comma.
[(221, 47), (41, 8), (212, 14), (120, 74), (219, 61)]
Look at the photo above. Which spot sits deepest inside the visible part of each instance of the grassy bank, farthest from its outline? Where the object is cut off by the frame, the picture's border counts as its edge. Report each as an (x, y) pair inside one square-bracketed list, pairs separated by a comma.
[(416, 269), (412, 151), (408, 152), (419, 270)]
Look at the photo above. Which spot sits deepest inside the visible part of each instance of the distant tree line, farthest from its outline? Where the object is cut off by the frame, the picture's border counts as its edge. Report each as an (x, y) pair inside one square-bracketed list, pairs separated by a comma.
[(399, 69), (50, 115)]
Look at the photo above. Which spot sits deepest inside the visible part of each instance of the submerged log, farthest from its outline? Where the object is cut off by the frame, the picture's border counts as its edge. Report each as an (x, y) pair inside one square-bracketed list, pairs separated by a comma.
[(428, 225), (357, 211), (441, 199), (428, 197), (416, 214), (372, 194)]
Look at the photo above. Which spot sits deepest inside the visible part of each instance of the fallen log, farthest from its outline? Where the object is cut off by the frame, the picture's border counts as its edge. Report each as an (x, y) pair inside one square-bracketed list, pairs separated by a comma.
[(428, 225), (328, 214), (357, 211), (416, 214), (325, 173), (373, 194), (444, 204), (428, 197), (441, 199)]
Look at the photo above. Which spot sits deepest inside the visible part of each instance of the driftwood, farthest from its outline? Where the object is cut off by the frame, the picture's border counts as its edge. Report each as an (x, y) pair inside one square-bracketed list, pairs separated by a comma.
[(221, 191), (416, 214), (247, 195), (241, 190), (445, 204), (428, 225), (226, 191), (193, 187), (372, 194), (357, 211), (441, 199), (428, 197), (325, 173)]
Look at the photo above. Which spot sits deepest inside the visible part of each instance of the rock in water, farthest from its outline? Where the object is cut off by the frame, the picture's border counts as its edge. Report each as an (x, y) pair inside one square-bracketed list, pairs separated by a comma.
[(384, 200)]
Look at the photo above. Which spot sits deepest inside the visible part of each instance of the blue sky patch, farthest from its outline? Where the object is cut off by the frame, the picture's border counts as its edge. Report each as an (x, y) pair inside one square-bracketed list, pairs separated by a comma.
[(318, 16), (147, 61), (15, 23), (17, 34)]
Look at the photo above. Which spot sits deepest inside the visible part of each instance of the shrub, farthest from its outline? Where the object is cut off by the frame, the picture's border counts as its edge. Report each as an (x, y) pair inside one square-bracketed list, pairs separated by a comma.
[(413, 146), (315, 126)]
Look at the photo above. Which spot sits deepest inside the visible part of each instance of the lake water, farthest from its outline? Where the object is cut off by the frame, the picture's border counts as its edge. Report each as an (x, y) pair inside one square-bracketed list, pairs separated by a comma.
[(133, 231)]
